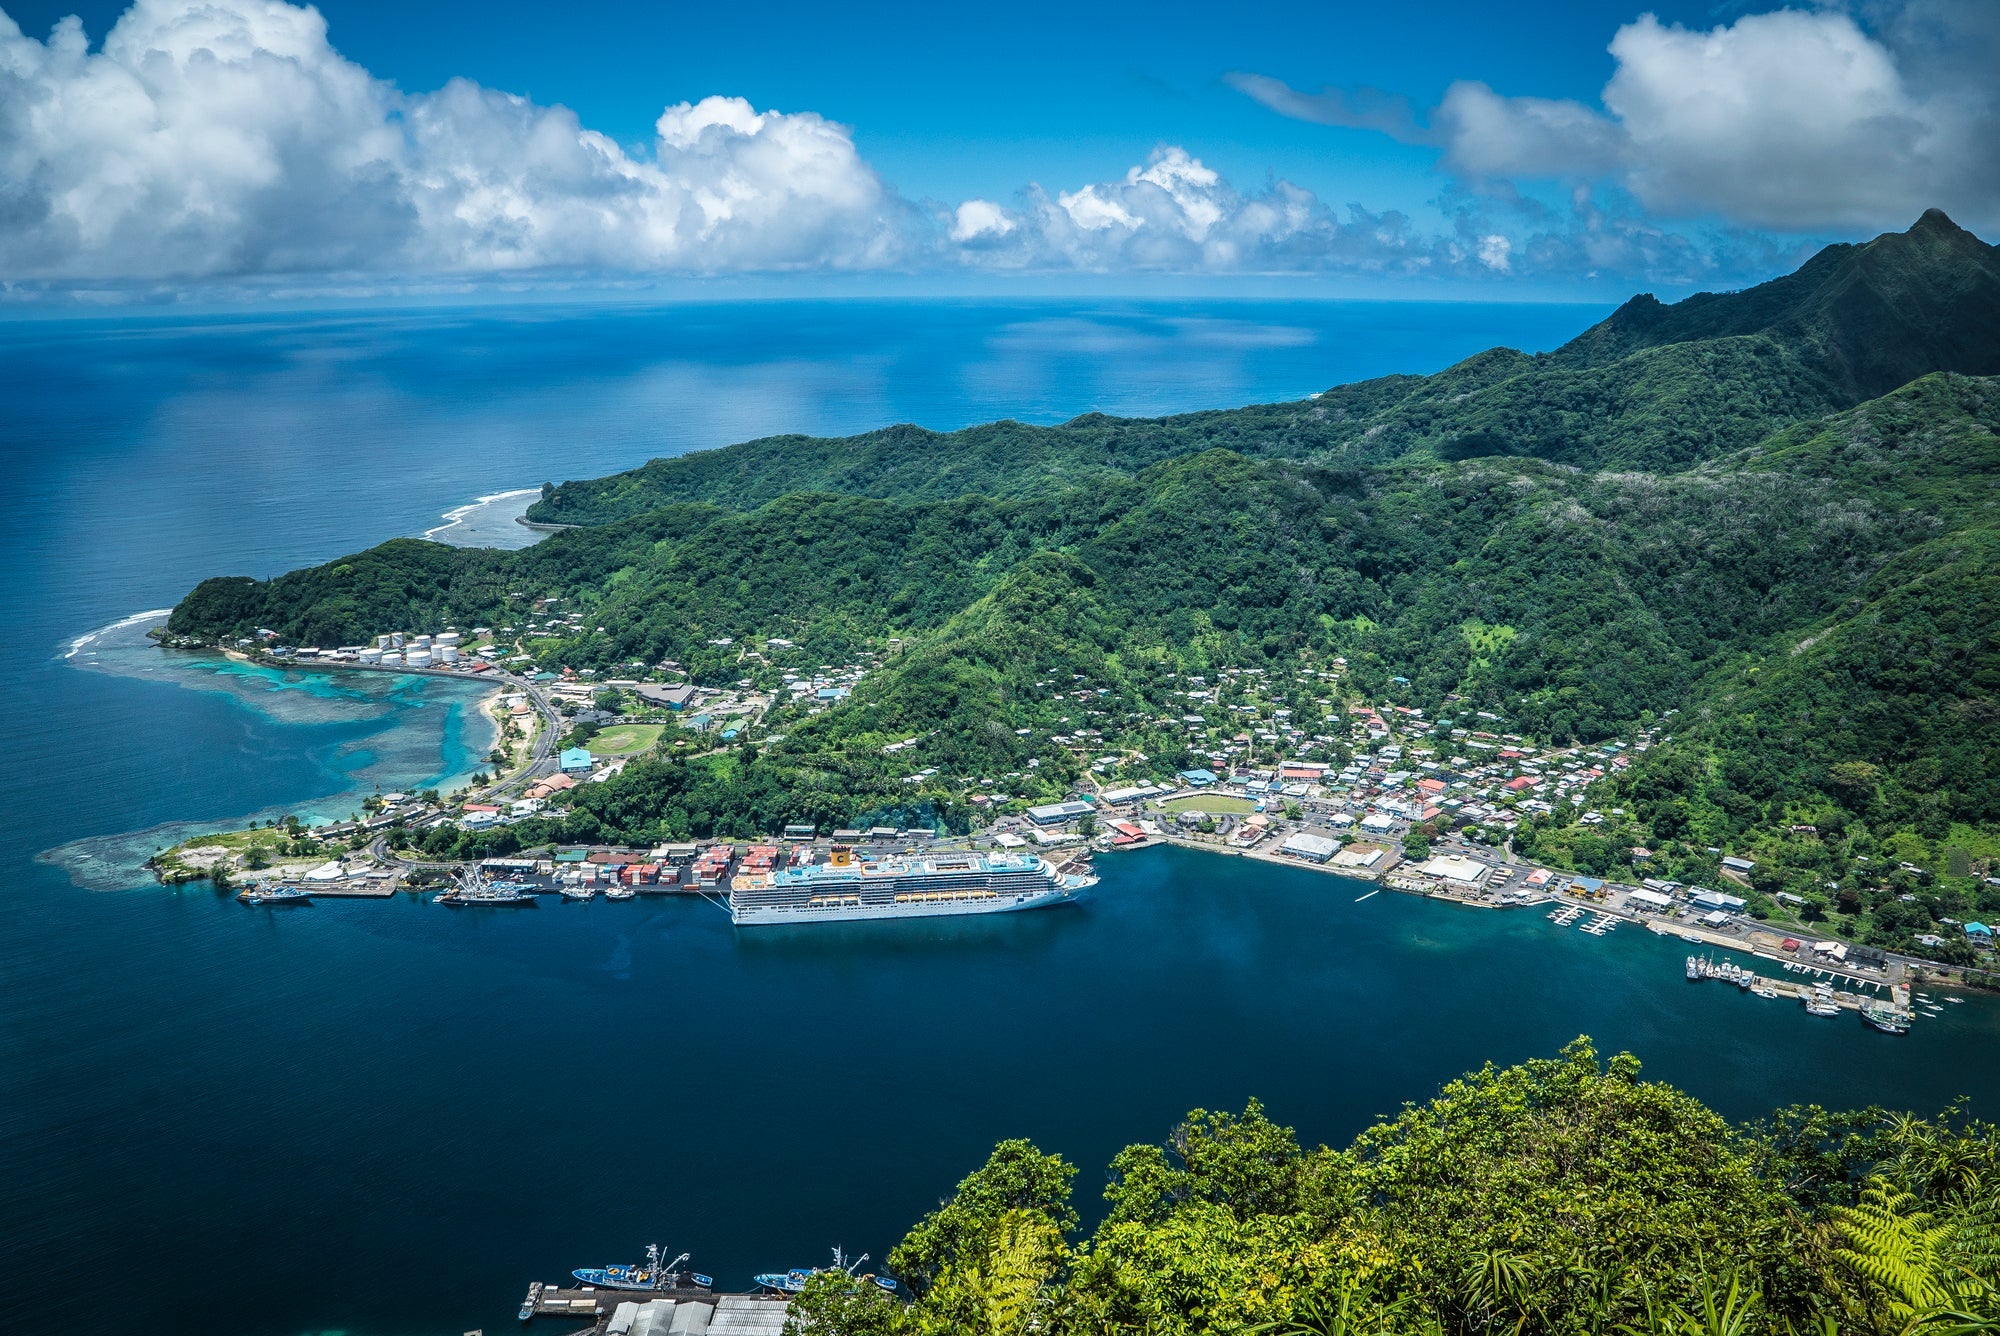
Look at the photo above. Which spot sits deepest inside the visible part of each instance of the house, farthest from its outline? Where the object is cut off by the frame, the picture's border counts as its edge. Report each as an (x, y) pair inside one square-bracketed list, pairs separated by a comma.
[(1980, 931), (1740, 865), (574, 761)]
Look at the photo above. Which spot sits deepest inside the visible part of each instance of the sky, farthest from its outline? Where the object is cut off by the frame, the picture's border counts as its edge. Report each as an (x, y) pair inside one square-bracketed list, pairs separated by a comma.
[(1560, 150)]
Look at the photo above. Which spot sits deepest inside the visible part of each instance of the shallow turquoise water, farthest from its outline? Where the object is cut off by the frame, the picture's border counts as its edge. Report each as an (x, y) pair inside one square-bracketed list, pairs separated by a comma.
[(386, 1117)]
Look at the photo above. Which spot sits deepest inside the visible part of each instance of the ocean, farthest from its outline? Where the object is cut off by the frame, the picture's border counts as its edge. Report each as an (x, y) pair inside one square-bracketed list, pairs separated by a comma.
[(386, 1118)]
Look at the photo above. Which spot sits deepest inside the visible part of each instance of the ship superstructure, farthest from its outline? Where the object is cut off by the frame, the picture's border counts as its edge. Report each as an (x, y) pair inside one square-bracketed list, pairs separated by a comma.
[(847, 888)]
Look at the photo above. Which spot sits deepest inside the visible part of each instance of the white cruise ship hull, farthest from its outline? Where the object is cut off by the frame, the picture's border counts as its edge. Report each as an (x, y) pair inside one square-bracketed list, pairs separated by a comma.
[(944, 906)]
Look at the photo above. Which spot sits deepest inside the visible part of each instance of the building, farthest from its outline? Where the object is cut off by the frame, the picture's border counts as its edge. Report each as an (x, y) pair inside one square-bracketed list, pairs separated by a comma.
[(1311, 848), (674, 697), (574, 761), (1199, 778), (1717, 900), (1356, 858), (801, 830), (1455, 868), (1054, 814), (1649, 899)]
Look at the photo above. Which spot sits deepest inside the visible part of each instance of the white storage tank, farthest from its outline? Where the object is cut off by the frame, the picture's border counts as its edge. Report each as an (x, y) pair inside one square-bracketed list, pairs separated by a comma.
[(448, 654), (417, 658)]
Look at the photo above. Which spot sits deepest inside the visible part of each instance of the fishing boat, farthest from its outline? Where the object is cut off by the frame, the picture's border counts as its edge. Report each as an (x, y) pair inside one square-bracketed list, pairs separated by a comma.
[(276, 895), (579, 892), (650, 1275), (1885, 1018), (1821, 1002), (793, 1281), (528, 1304), (1694, 969), (621, 893), (470, 891)]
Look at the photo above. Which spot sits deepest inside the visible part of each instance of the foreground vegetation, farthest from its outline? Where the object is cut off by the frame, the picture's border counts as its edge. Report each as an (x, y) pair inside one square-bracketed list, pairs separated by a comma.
[(1565, 1195)]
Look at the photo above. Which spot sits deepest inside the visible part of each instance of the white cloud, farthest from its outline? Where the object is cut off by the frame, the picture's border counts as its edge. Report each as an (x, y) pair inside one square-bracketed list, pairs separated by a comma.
[(977, 219), (1796, 120), (217, 137), (227, 139)]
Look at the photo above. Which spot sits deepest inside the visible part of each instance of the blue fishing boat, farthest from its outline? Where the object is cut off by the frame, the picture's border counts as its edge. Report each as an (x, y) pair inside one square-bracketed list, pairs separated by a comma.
[(651, 1275), (793, 1281)]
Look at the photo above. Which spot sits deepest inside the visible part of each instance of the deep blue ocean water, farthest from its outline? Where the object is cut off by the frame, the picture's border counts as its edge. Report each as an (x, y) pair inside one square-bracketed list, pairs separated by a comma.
[(388, 1118)]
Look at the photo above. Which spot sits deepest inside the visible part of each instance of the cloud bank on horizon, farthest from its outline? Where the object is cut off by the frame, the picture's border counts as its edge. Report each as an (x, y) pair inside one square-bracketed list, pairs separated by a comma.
[(220, 139)]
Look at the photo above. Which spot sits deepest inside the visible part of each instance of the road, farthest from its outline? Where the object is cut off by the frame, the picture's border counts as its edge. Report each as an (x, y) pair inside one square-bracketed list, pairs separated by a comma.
[(541, 761)]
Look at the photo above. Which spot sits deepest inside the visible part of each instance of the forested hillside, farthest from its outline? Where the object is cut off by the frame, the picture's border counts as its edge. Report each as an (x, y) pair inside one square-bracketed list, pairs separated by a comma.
[(1565, 1196), (1652, 387), (1814, 611)]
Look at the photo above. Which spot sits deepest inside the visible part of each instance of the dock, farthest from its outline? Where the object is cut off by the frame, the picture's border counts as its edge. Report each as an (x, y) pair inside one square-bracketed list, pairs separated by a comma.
[(670, 1312)]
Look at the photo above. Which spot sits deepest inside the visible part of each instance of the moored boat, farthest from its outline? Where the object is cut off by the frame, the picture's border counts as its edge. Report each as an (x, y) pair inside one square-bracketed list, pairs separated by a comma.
[(276, 895), (847, 888), (470, 891), (649, 1275), (1885, 1018)]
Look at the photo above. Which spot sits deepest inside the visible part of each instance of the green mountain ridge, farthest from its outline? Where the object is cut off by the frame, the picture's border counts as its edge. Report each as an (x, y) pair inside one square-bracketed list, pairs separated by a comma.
[(1816, 605), (1652, 387)]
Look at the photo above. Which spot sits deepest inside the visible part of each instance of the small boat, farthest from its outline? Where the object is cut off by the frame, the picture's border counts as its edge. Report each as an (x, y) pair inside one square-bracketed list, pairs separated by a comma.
[(1690, 937), (276, 895), (1821, 1002), (1955, 1001), (784, 1282), (621, 893), (579, 892), (1764, 992), (1694, 969)]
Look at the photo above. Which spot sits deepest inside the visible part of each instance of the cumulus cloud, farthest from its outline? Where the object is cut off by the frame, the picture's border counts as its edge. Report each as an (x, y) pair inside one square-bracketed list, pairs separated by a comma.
[(1794, 120), (227, 141), (1173, 213), (216, 137)]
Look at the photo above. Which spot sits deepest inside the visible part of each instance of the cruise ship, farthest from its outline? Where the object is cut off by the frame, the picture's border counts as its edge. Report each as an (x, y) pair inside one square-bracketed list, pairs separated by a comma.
[(847, 889)]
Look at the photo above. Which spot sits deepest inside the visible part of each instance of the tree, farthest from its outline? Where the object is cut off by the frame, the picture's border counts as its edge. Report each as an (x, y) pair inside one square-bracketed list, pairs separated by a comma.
[(834, 1303), (1016, 1177)]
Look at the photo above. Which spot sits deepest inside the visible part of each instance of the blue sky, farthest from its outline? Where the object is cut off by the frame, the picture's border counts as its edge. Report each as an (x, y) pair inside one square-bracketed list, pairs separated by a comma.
[(1438, 149)]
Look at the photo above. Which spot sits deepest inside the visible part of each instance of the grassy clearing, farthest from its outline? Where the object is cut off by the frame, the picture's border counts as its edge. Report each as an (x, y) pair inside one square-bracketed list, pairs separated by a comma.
[(625, 739), (1209, 802)]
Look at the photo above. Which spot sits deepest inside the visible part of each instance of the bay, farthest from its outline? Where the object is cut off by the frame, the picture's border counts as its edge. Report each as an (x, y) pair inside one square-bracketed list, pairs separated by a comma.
[(386, 1117)]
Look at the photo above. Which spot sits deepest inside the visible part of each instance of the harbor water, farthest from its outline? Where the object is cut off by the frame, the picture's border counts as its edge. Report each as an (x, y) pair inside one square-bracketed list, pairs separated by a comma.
[(384, 1117)]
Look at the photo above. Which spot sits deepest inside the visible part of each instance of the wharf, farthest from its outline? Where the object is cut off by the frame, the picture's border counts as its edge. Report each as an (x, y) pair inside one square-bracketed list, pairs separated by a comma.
[(695, 1312)]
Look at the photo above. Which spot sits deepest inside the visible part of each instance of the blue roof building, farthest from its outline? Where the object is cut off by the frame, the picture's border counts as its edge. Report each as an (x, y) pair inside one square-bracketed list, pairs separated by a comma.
[(1978, 930), (1199, 778), (574, 761)]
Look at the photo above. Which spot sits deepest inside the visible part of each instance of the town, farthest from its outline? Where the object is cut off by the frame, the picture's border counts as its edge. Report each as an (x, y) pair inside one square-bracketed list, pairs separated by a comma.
[(1299, 771)]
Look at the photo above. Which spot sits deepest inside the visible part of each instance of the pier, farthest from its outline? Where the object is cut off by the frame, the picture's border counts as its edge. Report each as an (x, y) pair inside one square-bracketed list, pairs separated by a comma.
[(678, 1311)]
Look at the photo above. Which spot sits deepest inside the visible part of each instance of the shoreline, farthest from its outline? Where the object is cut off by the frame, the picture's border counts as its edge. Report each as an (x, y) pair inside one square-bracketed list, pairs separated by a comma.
[(1931, 971), (457, 516)]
